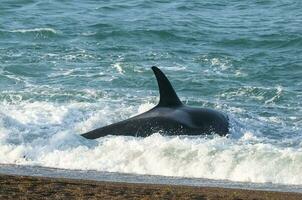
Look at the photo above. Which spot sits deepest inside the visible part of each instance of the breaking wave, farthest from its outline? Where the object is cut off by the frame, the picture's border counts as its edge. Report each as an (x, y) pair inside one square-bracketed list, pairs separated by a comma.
[(47, 134)]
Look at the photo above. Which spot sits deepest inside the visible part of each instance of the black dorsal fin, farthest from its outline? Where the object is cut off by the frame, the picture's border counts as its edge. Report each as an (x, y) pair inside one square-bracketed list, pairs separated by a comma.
[(168, 96)]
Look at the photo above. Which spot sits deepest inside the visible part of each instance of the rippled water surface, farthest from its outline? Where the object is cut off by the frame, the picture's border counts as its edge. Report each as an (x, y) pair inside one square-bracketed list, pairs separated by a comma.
[(67, 67)]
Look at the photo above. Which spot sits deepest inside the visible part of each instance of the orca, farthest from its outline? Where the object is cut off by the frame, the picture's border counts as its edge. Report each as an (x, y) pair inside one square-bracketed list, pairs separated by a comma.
[(170, 117)]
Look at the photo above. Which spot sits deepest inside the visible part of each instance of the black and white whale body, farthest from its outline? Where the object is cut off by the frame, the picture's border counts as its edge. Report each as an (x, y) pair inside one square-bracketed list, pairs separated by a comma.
[(170, 116)]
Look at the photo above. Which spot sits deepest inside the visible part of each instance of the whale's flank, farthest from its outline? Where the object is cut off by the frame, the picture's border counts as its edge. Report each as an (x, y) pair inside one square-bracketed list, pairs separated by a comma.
[(170, 116)]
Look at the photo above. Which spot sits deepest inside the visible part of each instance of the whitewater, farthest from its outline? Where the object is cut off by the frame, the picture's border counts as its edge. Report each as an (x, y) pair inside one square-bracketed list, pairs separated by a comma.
[(47, 134)]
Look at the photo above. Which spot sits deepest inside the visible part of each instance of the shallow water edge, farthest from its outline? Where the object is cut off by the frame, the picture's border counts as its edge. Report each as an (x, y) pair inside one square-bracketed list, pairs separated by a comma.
[(146, 179)]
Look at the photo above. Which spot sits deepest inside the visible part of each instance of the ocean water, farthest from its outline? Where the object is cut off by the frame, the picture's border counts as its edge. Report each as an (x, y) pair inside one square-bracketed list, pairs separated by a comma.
[(67, 67)]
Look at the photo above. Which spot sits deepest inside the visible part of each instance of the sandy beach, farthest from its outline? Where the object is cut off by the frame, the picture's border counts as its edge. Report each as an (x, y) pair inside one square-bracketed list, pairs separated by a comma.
[(26, 187)]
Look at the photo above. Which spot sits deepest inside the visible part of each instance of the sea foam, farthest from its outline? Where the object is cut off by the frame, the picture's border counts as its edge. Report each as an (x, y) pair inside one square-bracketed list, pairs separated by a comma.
[(48, 134)]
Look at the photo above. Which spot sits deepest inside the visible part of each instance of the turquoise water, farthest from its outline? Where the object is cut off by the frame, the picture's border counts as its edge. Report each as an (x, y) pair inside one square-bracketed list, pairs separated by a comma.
[(67, 67)]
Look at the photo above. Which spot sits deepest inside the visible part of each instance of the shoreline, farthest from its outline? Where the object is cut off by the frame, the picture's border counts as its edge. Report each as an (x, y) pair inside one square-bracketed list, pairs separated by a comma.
[(33, 187)]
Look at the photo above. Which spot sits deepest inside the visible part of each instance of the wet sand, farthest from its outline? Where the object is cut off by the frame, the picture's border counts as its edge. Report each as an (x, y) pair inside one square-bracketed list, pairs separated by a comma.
[(25, 187)]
